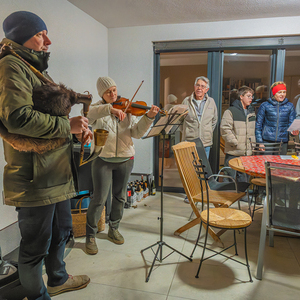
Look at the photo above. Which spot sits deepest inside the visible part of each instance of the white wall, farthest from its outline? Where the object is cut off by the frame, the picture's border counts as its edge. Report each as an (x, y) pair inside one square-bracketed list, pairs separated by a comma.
[(78, 56), (130, 56)]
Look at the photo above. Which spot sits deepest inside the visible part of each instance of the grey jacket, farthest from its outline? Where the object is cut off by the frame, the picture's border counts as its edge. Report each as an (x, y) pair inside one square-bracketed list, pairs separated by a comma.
[(193, 128), (237, 129)]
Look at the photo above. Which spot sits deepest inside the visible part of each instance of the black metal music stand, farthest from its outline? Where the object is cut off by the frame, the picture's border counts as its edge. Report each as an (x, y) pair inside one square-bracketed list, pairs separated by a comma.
[(172, 119)]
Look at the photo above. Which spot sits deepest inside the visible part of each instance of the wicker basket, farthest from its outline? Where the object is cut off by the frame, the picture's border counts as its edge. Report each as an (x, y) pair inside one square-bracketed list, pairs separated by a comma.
[(79, 220)]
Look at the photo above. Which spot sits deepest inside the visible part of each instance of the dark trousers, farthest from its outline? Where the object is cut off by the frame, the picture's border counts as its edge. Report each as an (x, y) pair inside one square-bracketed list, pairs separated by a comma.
[(44, 231), (239, 176), (106, 176)]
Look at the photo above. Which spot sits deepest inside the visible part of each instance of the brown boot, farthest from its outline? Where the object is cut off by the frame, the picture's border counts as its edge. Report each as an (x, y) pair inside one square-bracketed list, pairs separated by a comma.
[(72, 284), (115, 236), (91, 246)]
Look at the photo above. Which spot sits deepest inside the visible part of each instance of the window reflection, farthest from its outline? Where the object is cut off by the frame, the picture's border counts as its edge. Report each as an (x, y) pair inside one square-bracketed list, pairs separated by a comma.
[(178, 72), (292, 75), (245, 67)]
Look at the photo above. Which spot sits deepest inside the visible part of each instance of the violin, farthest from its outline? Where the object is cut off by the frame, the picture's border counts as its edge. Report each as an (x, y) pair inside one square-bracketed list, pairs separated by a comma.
[(137, 108)]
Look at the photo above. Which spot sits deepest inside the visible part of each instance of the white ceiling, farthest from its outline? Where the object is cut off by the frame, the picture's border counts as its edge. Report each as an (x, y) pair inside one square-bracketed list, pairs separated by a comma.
[(126, 13)]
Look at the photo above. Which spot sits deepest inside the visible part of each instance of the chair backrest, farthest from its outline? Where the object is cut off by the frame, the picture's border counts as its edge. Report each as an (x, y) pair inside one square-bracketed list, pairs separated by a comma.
[(297, 148), (202, 155), (283, 189), (202, 176), (183, 153), (266, 148)]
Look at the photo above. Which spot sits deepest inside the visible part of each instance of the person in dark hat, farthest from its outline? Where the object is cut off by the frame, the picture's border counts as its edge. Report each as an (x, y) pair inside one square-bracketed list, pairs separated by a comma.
[(38, 185)]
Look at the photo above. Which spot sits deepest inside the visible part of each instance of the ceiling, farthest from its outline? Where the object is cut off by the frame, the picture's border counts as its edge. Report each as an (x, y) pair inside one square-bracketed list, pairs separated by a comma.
[(127, 13)]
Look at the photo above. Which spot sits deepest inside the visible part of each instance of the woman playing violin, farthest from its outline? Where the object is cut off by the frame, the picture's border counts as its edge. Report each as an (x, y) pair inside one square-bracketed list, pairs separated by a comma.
[(114, 165)]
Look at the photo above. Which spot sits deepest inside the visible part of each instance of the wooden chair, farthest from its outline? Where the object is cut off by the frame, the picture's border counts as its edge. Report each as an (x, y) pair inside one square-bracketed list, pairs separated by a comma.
[(221, 218), (281, 206), (261, 149), (184, 160)]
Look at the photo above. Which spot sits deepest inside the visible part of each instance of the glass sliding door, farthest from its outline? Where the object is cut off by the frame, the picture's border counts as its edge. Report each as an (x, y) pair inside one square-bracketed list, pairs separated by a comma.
[(228, 63), (178, 72), (292, 80), (292, 75), (245, 67)]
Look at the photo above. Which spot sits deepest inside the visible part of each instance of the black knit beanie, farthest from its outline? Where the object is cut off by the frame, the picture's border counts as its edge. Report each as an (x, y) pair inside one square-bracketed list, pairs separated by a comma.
[(20, 26)]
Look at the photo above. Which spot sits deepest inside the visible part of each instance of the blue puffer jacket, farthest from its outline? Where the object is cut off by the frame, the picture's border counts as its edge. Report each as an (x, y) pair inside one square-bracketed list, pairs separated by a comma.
[(273, 119)]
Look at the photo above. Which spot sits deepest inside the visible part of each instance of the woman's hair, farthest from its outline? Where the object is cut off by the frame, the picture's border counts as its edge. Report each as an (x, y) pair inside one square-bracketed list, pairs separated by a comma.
[(244, 90), (278, 88), (276, 83)]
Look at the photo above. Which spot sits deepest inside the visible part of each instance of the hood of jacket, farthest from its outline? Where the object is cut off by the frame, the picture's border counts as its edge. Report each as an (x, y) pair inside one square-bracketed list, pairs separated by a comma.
[(38, 59), (238, 104)]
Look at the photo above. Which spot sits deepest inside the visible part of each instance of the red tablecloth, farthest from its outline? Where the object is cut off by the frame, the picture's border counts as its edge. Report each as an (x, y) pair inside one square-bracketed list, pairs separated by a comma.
[(255, 165)]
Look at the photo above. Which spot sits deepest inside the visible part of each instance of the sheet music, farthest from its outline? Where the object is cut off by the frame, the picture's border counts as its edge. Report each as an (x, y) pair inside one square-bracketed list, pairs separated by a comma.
[(295, 125), (172, 118), (177, 111)]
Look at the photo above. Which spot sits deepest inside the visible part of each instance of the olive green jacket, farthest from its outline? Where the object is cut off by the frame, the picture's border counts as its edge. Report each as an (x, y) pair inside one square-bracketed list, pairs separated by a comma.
[(32, 179)]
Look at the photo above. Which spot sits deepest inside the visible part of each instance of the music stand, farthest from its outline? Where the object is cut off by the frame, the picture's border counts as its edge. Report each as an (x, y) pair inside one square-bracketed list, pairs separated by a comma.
[(162, 127)]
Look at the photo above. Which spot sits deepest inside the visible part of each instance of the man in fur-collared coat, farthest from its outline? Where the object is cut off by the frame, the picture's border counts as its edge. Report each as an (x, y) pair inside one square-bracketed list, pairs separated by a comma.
[(38, 185)]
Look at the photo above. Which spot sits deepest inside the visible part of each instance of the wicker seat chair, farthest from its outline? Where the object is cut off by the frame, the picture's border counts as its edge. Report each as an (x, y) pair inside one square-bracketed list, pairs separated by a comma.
[(184, 160), (220, 218)]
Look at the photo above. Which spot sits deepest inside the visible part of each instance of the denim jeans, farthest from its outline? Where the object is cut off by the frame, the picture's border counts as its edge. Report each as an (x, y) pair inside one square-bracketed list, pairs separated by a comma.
[(44, 231), (207, 151)]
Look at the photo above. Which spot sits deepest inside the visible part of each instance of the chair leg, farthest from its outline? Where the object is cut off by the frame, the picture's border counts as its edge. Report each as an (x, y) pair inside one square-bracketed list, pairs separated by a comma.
[(190, 218), (196, 244), (235, 246), (262, 242), (246, 254), (204, 247), (271, 238), (255, 194), (250, 201)]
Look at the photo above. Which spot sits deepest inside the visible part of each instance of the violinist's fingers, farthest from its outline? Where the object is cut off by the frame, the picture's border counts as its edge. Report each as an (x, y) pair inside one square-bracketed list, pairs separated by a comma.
[(153, 111), (121, 115)]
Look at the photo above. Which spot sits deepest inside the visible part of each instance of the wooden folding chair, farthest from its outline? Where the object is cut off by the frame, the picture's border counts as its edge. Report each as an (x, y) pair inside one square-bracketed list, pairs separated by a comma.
[(183, 153)]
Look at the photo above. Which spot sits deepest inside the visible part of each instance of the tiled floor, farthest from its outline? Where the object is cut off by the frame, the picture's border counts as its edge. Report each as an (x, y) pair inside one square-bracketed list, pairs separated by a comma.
[(118, 272)]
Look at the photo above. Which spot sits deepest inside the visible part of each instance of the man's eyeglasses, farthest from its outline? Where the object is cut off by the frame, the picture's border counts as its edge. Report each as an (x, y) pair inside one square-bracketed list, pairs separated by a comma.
[(201, 86)]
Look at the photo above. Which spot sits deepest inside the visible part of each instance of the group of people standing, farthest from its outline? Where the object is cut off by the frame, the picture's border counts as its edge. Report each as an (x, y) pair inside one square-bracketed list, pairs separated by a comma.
[(40, 185), (240, 126)]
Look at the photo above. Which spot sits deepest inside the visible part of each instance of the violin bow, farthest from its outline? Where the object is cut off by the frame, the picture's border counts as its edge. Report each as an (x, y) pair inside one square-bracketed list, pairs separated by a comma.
[(128, 105)]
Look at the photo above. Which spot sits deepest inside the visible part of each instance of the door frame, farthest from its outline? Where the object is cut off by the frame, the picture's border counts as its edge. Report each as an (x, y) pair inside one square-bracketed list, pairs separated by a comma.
[(215, 48)]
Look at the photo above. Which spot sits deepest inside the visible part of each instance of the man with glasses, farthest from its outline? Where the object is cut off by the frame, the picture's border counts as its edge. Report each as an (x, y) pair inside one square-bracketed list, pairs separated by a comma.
[(202, 117)]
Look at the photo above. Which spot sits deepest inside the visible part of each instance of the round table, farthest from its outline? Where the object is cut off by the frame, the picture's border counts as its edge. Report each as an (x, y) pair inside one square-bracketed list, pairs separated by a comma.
[(255, 165)]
